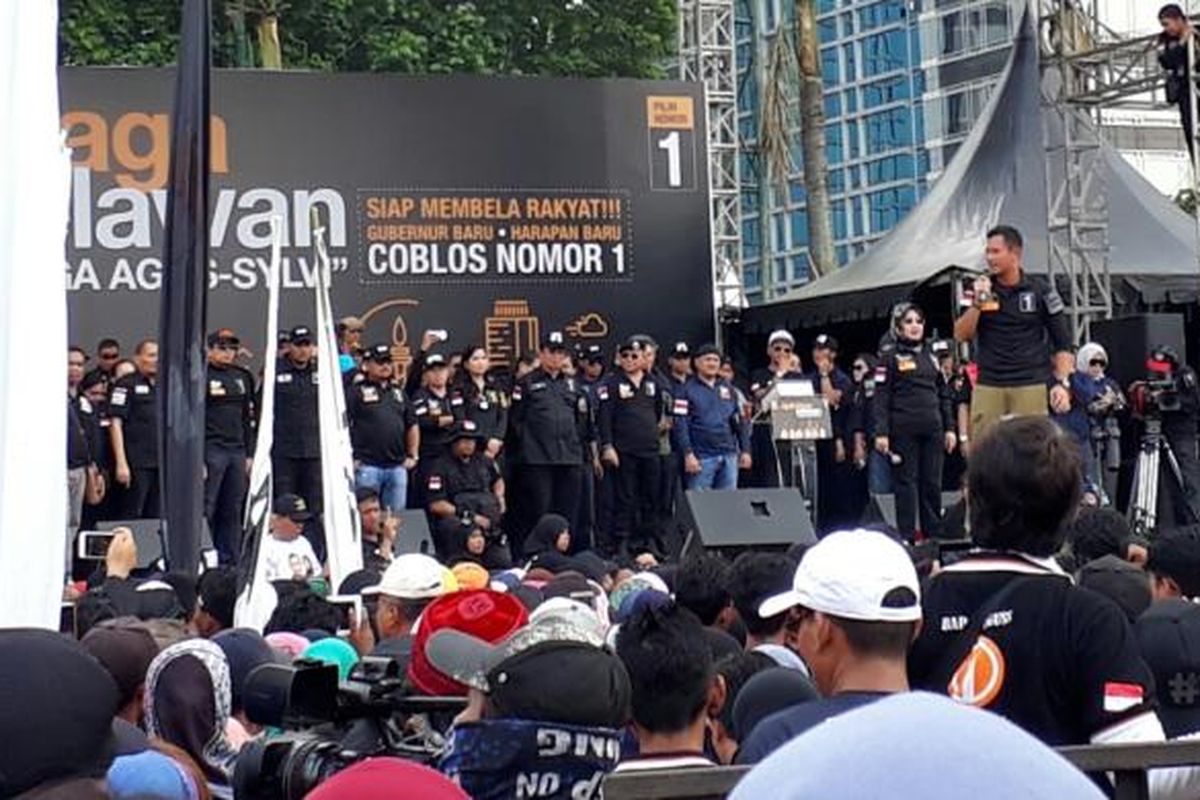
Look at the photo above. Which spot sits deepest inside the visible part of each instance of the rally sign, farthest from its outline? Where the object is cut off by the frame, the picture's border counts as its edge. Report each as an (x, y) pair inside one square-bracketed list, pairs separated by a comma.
[(494, 208)]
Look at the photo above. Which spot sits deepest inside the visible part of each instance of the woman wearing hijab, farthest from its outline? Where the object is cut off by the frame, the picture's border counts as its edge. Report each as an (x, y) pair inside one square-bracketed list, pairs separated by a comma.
[(549, 543), (188, 698), (914, 423)]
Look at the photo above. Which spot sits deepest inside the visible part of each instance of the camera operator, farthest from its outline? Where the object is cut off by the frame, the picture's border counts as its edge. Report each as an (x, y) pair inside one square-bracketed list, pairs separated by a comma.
[(914, 423), (1177, 35), (1104, 401), (1017, 321), (1171, 396)]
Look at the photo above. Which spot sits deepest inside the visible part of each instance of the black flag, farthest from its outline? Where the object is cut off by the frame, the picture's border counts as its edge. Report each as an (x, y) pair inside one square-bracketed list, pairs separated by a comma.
[(181, 369)]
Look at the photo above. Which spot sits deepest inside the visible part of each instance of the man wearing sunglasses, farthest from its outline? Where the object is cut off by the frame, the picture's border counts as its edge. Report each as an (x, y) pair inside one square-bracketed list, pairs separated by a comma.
[(108, 353), (771, 463), (228, 441)]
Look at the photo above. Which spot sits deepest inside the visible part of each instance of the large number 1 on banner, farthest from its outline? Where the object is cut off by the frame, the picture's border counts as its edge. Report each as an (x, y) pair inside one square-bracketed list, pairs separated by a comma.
[(670, 143)]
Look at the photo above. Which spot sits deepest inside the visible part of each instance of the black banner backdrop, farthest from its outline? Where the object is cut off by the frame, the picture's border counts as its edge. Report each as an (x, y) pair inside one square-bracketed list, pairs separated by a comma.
[(495, 208)]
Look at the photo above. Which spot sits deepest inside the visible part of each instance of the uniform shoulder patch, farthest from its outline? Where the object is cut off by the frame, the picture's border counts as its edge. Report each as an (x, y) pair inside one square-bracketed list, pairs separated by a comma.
[(1054, 302)]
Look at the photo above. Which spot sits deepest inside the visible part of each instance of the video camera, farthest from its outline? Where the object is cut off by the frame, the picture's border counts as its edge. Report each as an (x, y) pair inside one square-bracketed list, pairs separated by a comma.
[(333, 725), (1159, 393)]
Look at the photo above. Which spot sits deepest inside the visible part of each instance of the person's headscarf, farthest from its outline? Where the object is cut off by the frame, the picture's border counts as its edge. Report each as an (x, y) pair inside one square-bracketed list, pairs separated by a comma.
[(150, 774), (188, 697), (387, 778), (334, 652), (545, 533), (290, 644)]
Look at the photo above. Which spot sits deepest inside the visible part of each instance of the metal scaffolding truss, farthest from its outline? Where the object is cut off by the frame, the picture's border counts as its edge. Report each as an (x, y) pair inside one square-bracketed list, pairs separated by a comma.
[(1085, 69), (707, 55)]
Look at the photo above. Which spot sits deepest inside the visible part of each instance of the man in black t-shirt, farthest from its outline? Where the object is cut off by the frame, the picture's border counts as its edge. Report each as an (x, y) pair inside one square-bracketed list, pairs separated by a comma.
[(134, 433), (858, 601), (1017, 322), (228, 443), (1007, 630)]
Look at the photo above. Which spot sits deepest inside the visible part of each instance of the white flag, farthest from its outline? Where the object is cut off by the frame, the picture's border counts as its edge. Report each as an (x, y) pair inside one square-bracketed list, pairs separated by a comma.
[(257, 600), (342, 527), (35, 186)]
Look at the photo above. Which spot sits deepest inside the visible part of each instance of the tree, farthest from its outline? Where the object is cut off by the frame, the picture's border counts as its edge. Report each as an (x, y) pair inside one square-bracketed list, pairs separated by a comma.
[(586, 38)]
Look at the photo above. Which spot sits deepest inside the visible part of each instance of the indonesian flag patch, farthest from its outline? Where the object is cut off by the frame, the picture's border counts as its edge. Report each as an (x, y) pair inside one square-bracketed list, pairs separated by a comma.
[(1120, 697), (680, 407), (435, 483)]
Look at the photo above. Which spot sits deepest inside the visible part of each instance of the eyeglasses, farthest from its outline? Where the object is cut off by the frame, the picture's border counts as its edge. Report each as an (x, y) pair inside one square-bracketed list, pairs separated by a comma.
[(109, 356), (1098, 362), (228, 348), (860, 367), (628, 354), (781, 348)]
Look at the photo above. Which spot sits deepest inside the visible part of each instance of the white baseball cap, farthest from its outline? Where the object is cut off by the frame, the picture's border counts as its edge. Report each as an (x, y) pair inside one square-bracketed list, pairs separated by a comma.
[(851, 574), (781, 335), (414, 576)]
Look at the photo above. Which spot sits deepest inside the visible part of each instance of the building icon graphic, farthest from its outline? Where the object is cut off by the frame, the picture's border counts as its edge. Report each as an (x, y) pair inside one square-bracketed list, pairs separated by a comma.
[(511, 330)]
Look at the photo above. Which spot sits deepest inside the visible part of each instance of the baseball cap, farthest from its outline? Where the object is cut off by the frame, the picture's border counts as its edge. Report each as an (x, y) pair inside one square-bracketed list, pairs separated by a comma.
[(350, 324), (1125, 584), (680, 350), (645, 340), (481, 614), (1168, 635), (1176, 555), (223, 336), (554, 340), (470, 575), (301, 333), (825, 342), (465, 429), (853, 574), (379, 353), (707, 349), (780, 336), (593, 352), (414, 576), (432, 361), (469, 659), (291, 506), (631, 343)]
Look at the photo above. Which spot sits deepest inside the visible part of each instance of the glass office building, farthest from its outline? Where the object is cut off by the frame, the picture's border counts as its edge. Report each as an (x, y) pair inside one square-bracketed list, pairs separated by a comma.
[(904, 81)]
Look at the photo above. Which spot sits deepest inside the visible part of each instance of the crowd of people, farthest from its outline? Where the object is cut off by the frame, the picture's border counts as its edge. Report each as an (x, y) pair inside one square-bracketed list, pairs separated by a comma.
[(556, 613)]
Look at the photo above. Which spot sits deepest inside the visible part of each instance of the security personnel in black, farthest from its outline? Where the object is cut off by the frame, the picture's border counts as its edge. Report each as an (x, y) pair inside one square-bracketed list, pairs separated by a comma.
[(435, 418), (296, 456), (228, 443), (464, 487), (834, 456), (549, 416), (133, 405), (594, 513), (383, 430), (476, 395), (631, 407), (1180, 412), (914, 423)]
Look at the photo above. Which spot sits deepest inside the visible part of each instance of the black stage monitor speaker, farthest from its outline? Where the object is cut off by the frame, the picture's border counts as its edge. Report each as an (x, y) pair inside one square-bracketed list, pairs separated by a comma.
[(882, 507), (1129, 340), (414, 534), (742, 518)]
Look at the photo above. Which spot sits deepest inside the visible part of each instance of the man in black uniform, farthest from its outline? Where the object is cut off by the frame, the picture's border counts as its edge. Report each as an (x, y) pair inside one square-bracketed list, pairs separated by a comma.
[(435, 418), (680, 364), (631, 407), (383, 430), (550, 416), (465, 490), (134, 434), (108, 353), (81, 436), (1176, 37), (228, 443), (297, 453), (833, 462), (597, 496), (1017, 318)]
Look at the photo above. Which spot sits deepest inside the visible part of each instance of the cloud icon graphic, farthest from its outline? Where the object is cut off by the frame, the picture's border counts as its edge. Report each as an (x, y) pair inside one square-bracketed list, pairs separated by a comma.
[(589, 326)]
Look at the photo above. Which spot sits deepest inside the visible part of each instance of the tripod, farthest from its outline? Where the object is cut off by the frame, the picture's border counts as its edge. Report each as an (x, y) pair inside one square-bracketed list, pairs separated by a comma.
[(1143, 504)]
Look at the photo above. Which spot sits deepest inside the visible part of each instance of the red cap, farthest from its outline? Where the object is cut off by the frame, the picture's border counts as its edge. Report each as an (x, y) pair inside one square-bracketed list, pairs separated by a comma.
[(386, 779), (482, 613)]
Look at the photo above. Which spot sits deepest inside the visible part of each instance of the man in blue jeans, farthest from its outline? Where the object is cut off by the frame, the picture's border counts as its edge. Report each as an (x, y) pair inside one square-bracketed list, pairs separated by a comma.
[(383, 430), (709, 430)]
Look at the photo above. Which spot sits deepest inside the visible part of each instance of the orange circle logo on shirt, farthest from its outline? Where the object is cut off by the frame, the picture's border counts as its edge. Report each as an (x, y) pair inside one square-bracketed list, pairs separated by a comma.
[(980, 676)]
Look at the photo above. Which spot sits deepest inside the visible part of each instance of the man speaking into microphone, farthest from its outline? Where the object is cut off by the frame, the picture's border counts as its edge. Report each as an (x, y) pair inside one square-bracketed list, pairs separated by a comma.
[(1017, 321)]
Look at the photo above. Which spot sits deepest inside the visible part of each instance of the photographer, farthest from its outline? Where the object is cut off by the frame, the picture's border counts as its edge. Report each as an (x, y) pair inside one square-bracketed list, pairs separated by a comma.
[(1176, 37), (914, 423), (1170, 399)]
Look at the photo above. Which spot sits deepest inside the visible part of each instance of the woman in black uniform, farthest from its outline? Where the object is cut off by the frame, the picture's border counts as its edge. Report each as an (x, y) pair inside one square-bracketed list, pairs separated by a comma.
[(914, 423), (477, 396)]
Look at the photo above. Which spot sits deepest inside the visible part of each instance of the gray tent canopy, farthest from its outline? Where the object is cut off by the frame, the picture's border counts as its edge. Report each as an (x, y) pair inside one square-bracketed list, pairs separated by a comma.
[(999, 175)]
